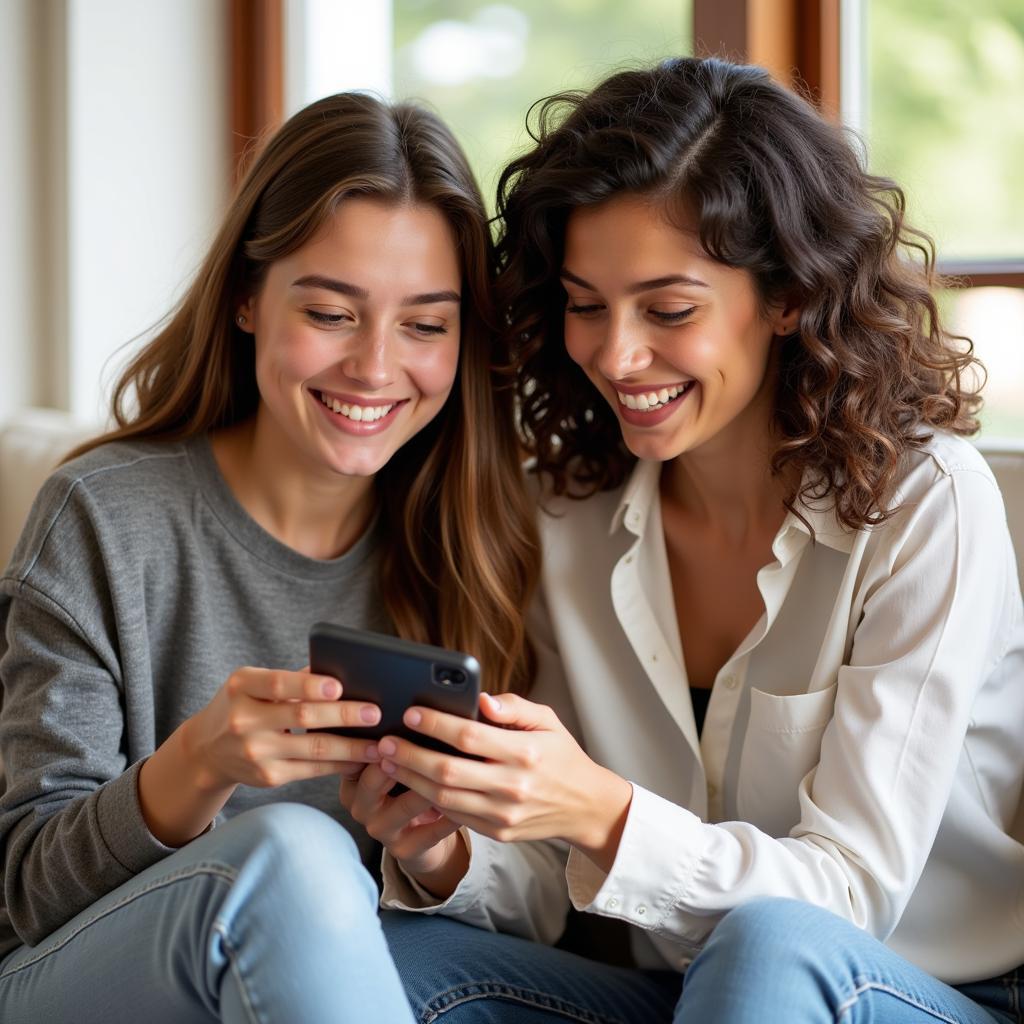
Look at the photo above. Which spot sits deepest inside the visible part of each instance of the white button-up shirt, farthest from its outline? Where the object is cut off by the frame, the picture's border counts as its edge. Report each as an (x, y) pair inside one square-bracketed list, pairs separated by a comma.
[(863, 747)]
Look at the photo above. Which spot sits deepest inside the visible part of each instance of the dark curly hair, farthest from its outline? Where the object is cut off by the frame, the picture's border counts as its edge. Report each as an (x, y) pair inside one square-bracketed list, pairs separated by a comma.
[(778, 191)]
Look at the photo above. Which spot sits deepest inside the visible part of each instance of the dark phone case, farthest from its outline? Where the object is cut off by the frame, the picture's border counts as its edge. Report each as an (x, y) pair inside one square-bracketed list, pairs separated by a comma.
[(393, 674)]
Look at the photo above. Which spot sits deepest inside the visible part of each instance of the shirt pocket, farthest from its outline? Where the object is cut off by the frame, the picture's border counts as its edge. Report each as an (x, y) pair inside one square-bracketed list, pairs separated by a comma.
[(782, 744)]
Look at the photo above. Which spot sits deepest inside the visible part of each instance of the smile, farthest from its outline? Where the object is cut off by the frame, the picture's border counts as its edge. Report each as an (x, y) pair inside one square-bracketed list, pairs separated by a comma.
[(651, 401), (356, 413)]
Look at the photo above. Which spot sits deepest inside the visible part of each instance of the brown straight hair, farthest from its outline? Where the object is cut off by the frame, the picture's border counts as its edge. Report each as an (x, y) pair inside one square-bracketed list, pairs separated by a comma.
[(461, 558), (870, 371)]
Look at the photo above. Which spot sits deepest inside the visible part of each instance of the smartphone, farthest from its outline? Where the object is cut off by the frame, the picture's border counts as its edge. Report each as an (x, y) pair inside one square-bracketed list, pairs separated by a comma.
[(395, 674)]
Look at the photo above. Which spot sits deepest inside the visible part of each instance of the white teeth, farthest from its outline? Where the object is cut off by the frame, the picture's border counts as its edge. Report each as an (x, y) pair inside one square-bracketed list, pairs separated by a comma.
[(652, 399), (358, 413)]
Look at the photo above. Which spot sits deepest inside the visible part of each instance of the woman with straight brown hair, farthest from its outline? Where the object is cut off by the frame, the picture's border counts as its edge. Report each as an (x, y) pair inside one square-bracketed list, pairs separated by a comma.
[(317, 433)]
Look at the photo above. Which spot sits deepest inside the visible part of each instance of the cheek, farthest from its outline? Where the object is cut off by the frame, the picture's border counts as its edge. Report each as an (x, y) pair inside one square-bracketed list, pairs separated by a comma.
[(581, 344), (434, 368)]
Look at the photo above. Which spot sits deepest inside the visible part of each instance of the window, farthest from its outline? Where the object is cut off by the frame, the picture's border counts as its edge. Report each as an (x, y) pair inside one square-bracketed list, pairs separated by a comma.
[(482, 65), (942, 92)]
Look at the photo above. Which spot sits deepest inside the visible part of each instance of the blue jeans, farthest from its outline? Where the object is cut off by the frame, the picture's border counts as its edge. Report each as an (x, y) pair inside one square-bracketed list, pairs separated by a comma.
[(269, 918), (773, 960), (272, 919)]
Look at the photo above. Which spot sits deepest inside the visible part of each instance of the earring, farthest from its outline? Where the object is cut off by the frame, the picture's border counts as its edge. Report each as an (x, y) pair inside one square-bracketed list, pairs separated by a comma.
[(241, 320)]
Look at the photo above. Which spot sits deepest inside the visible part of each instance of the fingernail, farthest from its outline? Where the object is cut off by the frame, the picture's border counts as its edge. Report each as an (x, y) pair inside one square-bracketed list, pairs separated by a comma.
[(413, 717), (387, 768), (387, 747), (495, 703), (329, 688), (369, 714)]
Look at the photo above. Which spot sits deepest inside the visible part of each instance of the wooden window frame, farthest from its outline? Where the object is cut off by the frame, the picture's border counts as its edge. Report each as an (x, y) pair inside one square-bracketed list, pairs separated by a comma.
[(256, 60), (798, 42)]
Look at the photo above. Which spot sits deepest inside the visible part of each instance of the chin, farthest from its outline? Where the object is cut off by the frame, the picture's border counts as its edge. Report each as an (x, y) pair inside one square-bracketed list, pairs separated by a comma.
[(652, 449), (357, 465)]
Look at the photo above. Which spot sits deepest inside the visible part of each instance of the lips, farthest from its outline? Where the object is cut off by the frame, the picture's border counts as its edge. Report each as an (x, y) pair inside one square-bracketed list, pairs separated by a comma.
[(638, 411), (654, 398)]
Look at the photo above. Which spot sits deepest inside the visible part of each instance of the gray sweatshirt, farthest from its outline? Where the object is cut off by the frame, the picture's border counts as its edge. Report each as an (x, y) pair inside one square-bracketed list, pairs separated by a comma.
[(138, 586)]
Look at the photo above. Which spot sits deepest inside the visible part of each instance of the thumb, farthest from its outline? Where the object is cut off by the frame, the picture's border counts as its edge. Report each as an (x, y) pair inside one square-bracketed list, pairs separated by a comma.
[(515, 712)]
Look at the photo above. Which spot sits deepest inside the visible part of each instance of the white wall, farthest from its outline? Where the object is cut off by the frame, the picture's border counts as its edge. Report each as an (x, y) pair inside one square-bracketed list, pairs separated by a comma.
[(19, 242), (334, 45), (115, 168)]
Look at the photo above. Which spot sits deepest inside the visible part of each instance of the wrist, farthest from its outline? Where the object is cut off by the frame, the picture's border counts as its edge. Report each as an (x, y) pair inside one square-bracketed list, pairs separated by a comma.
[(200, 771), (443, 879), (608, 800)]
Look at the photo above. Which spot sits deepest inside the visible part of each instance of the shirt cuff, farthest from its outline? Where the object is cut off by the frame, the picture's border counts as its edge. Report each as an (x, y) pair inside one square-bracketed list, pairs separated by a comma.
[(660, 849), (122, 825), (401, 891)]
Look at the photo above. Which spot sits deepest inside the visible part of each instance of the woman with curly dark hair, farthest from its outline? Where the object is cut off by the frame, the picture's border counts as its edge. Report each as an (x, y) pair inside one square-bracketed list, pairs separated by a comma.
[(778, 578)]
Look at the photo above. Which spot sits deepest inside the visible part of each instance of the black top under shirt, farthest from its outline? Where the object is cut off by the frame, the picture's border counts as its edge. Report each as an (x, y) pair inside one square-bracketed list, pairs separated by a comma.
[(700, 696)]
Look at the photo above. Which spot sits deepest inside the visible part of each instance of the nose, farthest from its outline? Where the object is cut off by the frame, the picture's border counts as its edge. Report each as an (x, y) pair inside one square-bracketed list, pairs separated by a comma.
[(623, 351), (370, 360)]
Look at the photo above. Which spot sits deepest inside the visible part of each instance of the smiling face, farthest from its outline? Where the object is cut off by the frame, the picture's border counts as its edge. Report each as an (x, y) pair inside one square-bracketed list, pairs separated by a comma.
[(357, 336), (675, 341)]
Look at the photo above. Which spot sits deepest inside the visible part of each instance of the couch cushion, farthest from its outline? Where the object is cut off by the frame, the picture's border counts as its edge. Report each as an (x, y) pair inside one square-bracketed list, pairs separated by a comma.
[(1007, 461), (31, 445)]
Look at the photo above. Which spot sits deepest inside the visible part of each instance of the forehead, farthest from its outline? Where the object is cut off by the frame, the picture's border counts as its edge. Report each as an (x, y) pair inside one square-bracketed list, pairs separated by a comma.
[(632, 227), (396, 241)]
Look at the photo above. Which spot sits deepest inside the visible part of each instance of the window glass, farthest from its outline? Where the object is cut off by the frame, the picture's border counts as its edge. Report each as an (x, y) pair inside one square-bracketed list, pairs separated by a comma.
[(944, 118), (993, 318), (481, 65)]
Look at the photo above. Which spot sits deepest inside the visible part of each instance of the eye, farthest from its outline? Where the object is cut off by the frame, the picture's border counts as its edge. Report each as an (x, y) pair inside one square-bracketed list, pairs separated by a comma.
[(584, 310), (427, 329), (672, 316), (327, 319)]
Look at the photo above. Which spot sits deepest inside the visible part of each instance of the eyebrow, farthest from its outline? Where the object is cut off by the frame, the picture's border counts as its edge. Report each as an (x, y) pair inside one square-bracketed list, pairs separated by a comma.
[(355, 292), (639, 286)]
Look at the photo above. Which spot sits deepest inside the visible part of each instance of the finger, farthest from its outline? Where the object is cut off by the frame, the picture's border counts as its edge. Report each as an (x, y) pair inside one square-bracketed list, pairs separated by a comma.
[(397, 815), (271, 774), (318, 746), (480, 739), (445, 769), (305, 714), (418, 840), (368, 794), (282, 685), (454, 803), (513, 711)]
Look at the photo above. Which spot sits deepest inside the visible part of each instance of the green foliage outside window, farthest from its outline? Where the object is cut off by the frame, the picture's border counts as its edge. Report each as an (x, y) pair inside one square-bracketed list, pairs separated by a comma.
[(482, 65)]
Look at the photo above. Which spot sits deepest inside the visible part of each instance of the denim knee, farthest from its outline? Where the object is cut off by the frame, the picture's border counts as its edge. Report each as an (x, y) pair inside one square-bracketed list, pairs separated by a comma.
[(297, 854), (773, 928)]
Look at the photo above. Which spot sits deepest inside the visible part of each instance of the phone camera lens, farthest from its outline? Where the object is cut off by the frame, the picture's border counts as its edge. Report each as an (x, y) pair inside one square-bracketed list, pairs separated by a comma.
[(445, 676)]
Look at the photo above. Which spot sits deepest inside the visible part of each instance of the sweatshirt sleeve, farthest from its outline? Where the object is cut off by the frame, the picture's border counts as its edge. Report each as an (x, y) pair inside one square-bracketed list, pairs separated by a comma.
[(516, 888), (71, 826)]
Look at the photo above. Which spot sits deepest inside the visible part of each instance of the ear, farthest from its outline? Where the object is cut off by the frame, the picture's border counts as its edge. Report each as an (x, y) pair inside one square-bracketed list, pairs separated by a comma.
[(245, 316), (785, 318)]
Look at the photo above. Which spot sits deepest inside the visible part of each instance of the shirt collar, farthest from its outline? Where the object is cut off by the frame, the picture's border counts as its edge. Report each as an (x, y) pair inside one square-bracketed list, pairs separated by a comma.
[(641, 491)]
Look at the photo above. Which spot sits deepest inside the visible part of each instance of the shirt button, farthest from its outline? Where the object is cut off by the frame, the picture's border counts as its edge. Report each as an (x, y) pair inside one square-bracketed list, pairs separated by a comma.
[(612, 903), (654, 657), (731, 682), (641, 910), (712, 790), (629, 559)]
